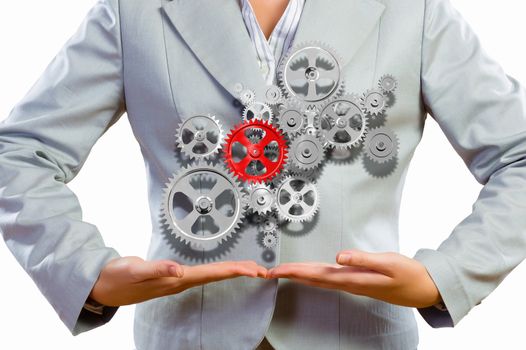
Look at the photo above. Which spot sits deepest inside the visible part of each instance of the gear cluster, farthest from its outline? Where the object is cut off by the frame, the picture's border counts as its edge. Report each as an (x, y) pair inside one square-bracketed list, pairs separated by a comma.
[(265, 166)]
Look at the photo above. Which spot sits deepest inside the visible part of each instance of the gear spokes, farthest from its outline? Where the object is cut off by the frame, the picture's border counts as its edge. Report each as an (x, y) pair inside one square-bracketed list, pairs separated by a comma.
[(255, 159)]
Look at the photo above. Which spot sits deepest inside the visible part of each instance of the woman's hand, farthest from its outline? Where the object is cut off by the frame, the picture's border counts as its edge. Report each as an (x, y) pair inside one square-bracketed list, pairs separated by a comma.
[(131, 280), (390, 277)]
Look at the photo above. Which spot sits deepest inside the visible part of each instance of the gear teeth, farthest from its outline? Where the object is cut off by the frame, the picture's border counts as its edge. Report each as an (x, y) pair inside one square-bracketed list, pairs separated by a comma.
[(167, 222), (387, 83), (353, 100), (318, 152), (288, 59), (286, 216), (263, 106), (189, 152), (390, 135), (277, 136), (370, 109)]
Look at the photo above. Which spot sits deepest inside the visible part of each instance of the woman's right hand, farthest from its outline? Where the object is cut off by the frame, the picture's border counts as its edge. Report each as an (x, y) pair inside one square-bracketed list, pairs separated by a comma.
[(130, 280)]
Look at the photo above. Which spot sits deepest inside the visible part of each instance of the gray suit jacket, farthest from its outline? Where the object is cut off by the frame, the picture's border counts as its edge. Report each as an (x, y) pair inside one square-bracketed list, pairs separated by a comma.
[(164, 60)]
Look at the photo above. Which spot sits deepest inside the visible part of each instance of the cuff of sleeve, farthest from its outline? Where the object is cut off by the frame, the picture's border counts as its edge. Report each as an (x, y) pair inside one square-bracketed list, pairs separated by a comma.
[(76, 318), (449, 285)]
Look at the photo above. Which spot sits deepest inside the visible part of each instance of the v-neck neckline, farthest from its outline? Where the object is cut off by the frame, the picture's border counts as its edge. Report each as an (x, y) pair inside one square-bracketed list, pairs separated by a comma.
[(277, 25)]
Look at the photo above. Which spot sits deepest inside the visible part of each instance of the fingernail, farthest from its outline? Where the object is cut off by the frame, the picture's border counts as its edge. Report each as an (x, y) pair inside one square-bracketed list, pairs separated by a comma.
[(344, 258)]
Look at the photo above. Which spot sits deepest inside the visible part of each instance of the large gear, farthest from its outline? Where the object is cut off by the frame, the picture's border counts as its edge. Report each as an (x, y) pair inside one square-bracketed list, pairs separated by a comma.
[(261, 198), (203, 205), (291, 119), (311, 72), (258, 110), (306, 152), (200, 136), (255, 160), (381, 144), (374, 102), (343, 124), (387, 84), (297, 199)]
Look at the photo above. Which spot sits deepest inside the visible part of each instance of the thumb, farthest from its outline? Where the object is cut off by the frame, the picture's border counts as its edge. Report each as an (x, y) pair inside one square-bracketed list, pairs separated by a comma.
[(373, 261), (158, 268)]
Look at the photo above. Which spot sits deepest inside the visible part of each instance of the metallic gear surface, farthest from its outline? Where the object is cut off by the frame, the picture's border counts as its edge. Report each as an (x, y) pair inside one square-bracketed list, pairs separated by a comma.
[(200, 136), (381, 145), (203, 205), (297, 199), (343, 124), (310, 72)]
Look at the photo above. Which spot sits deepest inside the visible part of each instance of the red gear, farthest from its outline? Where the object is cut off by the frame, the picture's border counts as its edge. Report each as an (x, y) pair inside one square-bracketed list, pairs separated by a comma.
[(255, 151)]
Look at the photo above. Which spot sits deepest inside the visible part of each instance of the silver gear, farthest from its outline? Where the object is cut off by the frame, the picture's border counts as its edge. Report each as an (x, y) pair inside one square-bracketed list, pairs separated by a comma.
[(291, 119), (373, 102), (387, 84), (247, 96), (211, 217), (381, 144), (269, 224), (343, 124), (310, 72), (306, 152), (200, 136), (297, 199), (258, 110), (273, 95), (269, 240), (261, 198)]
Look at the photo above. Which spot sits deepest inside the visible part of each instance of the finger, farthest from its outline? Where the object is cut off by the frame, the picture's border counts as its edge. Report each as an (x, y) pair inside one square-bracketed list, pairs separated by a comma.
[(222, 270), (380, 262), (347, 278), (155, 269), (316, 284), (301, 270)]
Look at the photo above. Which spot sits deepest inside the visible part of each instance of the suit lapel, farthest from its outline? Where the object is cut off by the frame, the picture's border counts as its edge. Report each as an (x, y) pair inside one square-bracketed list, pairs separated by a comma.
[(214, 30)]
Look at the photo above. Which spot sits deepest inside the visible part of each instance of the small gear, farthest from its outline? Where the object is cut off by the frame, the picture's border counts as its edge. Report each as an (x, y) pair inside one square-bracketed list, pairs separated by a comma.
[(381, 144), (247, 96), (203, 205), (269, 240), (387, 84), (252, 162), (273, 95), (261, 198), (343, 124), (374, 102), (200, 136), (291, 119), (297, 199), (311, 73), (269, 224), (306, 152), (258, 110)]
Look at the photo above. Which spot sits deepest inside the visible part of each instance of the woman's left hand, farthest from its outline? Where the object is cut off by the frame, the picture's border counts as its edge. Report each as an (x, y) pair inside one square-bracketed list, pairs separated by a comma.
[(390, 277)]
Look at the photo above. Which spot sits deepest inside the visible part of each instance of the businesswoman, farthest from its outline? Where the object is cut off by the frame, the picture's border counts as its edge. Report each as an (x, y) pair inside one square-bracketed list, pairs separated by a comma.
[(343, 284)]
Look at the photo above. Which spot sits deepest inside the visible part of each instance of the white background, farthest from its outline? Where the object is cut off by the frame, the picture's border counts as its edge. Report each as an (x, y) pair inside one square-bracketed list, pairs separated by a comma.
[(439, 190)]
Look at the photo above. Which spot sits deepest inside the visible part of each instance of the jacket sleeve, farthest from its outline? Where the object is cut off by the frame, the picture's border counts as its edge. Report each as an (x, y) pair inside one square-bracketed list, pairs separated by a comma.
[(482, 112), (44, 141)]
